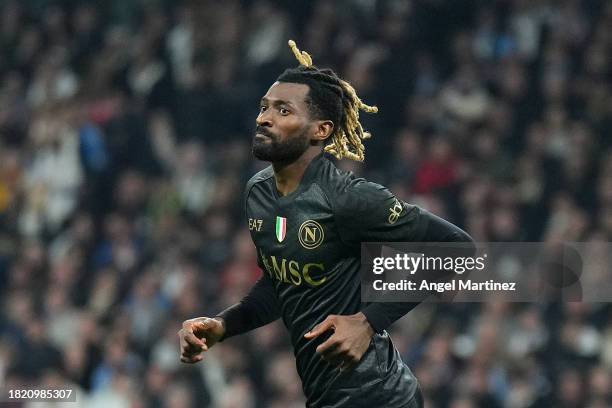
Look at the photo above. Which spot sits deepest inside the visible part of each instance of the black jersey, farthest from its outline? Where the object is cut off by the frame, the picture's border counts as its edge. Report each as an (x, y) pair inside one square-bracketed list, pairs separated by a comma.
[(308, 245)]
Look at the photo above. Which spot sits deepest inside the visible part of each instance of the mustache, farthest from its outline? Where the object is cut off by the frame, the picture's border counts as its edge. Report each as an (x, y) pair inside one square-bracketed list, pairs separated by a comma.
[(265, 132)]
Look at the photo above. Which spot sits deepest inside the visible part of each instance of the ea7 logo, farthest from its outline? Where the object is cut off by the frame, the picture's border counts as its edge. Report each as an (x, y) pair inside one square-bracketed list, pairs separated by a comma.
[(255, 224), (396, 211), (311, 234)]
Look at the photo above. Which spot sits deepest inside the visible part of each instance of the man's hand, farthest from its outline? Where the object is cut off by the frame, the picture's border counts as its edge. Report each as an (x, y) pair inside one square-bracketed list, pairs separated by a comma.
[(197, 336), (348, 343)]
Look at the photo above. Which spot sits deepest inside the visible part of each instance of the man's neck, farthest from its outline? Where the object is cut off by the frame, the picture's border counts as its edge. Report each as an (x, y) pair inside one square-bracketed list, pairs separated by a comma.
[(288, 176)]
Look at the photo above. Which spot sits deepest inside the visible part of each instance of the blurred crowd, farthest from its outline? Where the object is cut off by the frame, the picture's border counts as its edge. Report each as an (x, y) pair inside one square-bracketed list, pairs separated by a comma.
[(125, 132)]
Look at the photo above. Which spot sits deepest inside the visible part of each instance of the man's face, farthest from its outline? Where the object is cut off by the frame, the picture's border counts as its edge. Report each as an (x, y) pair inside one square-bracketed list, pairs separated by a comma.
[(284, 126)]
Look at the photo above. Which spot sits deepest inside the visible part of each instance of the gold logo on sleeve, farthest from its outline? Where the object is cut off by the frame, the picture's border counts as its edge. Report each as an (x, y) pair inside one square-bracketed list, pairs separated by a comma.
[(396, 211), (311, 234)]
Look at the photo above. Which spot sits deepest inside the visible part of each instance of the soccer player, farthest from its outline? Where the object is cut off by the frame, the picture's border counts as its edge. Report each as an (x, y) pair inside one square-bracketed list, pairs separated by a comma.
[(307, 220)]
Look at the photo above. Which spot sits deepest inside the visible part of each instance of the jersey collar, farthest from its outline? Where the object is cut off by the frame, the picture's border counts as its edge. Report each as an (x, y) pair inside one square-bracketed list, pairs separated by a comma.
[(309, 176)]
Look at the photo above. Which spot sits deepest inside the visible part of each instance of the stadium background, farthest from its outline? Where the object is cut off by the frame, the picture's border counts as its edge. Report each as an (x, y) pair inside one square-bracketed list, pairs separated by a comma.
[(125, 130)]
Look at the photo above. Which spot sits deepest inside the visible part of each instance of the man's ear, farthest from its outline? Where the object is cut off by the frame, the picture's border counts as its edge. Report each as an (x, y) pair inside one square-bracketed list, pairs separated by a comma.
[(324, 130)]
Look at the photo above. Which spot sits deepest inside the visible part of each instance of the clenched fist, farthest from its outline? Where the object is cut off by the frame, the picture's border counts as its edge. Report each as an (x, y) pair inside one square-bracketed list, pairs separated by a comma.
[(197, 336)]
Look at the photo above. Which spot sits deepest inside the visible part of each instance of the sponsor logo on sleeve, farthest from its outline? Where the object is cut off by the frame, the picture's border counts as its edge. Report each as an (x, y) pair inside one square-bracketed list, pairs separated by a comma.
[(396, 211)]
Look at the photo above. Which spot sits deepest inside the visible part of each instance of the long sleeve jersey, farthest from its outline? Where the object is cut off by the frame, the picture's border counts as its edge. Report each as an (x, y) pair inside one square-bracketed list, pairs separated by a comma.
[(308, 245)]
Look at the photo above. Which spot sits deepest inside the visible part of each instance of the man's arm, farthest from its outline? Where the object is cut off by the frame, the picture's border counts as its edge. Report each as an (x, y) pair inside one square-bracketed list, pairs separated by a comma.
[(368, 212), (258, 308), (425, 227)]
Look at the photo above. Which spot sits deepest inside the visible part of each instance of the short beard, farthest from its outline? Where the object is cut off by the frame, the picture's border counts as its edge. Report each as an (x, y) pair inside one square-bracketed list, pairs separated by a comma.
[(281, 152)]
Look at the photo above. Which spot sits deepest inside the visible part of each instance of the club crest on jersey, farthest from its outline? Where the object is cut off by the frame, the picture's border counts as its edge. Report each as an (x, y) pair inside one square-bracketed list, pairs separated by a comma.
[(310, 234), (281, 228)]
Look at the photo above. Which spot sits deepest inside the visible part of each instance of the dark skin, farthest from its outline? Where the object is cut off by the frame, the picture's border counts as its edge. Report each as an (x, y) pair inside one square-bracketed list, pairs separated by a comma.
[(284, 114)]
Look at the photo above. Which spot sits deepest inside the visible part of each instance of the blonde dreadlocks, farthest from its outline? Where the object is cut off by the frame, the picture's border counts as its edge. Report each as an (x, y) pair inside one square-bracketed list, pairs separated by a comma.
[(332, 98)]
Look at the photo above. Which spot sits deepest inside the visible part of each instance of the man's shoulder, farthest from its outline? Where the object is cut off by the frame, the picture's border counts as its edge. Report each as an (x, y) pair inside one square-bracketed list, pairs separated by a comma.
[(354, 195), (259, 177), (335, 181), (342, 184)]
